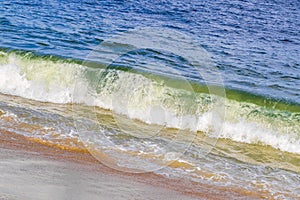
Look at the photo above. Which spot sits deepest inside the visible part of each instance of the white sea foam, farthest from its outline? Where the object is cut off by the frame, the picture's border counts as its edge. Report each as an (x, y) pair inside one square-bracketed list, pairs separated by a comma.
[(37, 79), (139, 97)]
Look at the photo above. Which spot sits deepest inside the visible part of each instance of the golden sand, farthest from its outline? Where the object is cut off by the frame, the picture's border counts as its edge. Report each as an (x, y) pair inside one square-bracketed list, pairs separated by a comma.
[(39, 148)]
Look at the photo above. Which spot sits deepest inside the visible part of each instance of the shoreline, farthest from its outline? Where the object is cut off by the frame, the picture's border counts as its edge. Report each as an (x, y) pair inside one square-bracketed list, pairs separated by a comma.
[(16, 147)]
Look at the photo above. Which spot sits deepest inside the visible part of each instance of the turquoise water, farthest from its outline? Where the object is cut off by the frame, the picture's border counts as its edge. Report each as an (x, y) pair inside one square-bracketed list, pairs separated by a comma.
[(222, 108)]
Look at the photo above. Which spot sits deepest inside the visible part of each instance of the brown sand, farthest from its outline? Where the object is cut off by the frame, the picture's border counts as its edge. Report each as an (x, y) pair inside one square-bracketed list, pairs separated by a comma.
[(56, 173)]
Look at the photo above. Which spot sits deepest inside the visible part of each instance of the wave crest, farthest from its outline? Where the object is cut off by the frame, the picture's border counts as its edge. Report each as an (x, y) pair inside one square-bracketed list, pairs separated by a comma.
[(147, 98)]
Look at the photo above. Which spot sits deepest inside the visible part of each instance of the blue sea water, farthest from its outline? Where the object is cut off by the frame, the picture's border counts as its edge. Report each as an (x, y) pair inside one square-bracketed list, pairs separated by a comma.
[(255, 44)]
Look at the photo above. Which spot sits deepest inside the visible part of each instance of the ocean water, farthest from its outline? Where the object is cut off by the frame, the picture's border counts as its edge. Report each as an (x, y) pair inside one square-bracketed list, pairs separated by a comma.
[(206, 90)]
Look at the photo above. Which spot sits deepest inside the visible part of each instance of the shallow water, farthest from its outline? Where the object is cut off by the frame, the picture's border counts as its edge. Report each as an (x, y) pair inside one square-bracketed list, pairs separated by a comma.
[(170, 152)]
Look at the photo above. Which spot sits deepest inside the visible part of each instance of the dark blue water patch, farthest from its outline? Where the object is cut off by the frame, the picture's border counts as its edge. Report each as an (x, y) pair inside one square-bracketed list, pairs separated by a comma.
[(250, 40)]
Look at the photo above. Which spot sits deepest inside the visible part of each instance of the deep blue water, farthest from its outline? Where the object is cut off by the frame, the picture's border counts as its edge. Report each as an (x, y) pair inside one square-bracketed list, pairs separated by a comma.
[(254, 43)]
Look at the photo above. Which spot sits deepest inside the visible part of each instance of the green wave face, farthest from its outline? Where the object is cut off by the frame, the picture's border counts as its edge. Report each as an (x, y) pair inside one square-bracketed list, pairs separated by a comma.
[(152, 99)]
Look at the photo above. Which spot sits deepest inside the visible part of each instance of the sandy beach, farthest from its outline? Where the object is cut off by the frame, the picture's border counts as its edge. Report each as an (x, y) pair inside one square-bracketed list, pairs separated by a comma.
[(30, 170)]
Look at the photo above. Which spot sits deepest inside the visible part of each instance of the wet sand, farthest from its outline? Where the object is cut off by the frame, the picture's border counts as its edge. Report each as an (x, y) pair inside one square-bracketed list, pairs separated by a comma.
[(30, 170)]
